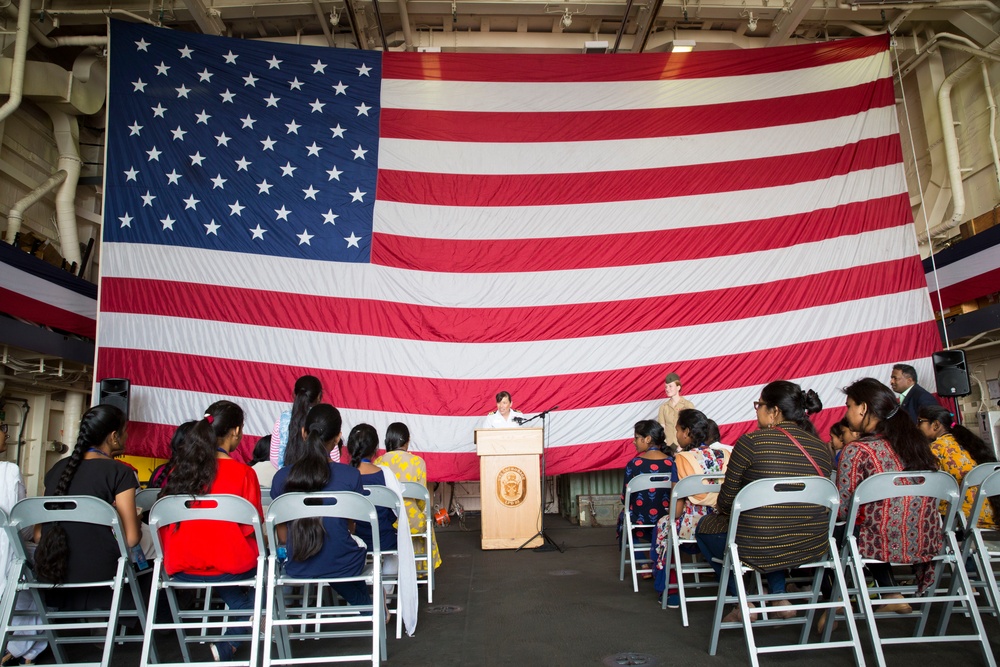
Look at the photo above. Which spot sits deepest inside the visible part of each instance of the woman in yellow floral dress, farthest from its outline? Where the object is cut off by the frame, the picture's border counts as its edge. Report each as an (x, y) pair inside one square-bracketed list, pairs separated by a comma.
[(959, 450), (409, 468)]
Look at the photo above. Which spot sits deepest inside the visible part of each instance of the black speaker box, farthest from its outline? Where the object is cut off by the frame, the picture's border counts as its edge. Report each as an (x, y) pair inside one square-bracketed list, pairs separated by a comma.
[(114, 391), (950, 373)]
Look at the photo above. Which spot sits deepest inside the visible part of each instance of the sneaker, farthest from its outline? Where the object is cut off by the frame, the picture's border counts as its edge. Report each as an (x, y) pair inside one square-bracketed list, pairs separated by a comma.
[(673, 601), (223, 651)]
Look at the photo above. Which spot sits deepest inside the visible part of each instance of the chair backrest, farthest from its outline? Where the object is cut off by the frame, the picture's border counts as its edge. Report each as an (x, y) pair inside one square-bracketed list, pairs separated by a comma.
[(70, 509), (414, 491), (989, 486), (811, 490), (383, 496), (213, 507), (322, 504), (658, 480), (694, 485), (919, 483), (146, 498)]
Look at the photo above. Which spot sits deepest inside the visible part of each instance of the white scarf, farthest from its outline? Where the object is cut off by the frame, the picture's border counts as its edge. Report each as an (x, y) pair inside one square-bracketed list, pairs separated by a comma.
[(408, 595)]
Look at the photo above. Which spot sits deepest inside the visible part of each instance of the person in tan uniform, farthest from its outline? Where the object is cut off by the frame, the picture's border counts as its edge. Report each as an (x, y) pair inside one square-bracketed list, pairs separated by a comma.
[(674, 404)]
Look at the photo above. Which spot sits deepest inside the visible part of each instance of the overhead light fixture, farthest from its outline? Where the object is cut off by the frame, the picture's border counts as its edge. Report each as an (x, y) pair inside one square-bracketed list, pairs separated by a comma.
[(683, 45), (567, 19), (595, 47), (752, 22)]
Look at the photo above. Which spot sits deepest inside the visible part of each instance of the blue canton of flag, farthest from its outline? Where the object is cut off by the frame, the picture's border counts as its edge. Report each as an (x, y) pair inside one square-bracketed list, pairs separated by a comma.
[(235, 145)]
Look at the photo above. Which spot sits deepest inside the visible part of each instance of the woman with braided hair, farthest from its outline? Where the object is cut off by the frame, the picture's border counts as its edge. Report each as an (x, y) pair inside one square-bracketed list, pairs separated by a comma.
[(958, 451), (74, 552), (213, 551)]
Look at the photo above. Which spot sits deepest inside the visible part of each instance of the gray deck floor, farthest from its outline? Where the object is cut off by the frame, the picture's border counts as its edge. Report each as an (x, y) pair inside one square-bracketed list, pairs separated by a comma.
[(552, 608)]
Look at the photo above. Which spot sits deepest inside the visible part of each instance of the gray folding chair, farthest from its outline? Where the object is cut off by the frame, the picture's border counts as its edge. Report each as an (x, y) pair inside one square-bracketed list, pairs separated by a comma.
[(146, 498), (972, 480), (418, 493), (62, 628), (689, 573), (818, 491), (984, 552), (936, 486), (641, 564), (382, 496), (283, 615), (205, 624)]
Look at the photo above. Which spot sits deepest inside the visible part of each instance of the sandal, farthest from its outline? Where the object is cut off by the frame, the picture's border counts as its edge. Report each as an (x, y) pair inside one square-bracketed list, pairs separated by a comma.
[(735, 616)]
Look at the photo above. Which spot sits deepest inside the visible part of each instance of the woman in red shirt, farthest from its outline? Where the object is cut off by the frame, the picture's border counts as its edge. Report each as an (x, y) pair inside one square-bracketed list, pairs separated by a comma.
[(210, 551)]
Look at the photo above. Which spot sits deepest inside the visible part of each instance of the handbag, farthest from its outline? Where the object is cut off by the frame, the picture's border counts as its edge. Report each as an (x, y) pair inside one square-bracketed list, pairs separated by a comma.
[(803, 450)]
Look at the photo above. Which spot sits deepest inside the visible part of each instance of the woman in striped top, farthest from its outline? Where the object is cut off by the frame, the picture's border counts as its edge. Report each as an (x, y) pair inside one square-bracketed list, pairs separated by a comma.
[(779, 537)]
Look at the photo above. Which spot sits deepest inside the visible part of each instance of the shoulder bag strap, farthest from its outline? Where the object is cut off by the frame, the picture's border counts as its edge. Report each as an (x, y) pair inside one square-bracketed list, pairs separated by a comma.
[(803, 450)]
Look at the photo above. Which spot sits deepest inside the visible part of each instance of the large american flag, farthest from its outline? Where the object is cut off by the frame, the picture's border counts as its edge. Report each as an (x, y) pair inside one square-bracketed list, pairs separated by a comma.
[(422, 231)]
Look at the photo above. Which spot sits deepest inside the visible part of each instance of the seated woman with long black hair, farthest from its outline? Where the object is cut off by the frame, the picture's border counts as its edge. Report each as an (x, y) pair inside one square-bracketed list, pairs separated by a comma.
[(322, 548), (76, 552), (213, 551)]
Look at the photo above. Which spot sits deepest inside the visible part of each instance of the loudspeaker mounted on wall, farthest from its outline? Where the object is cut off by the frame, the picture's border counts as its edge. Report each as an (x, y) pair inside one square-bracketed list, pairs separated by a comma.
[(951, 373), (114, 391)]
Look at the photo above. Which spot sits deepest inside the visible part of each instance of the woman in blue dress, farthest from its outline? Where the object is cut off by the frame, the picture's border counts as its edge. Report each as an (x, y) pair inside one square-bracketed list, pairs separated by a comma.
[(322, 548), (652, 457)]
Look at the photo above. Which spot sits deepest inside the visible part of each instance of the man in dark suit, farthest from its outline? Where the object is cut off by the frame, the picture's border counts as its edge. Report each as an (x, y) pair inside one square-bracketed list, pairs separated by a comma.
[(912, 396)]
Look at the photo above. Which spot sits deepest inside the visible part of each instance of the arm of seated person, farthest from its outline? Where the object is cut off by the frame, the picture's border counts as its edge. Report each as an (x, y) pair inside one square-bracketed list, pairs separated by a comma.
[(125, 505)]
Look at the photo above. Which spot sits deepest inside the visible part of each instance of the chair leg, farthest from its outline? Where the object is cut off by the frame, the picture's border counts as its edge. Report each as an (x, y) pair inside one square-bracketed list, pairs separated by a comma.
[(865, 601)]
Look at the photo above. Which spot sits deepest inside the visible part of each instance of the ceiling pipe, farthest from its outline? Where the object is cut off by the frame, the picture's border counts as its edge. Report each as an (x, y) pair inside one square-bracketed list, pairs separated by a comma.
[(67, 135), (913, 6), (16, 214), (20, 57), (950, 141), (103, 12), (404, 20), (858, 28)]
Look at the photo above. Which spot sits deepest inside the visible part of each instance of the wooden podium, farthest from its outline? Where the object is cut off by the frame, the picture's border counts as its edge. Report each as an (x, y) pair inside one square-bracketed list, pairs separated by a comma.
[(509, 475)]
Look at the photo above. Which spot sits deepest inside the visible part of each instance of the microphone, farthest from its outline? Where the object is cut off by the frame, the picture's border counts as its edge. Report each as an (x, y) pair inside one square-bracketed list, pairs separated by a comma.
[(520, 420)]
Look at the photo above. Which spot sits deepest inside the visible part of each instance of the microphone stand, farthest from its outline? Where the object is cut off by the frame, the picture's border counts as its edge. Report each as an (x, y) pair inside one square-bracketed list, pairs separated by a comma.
[(548, 544)]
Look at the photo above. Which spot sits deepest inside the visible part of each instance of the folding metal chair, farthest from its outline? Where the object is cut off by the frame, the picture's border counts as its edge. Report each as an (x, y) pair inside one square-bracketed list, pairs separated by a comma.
[(62, 628), (382, 496), (691, 485), (977, 547), (146, 498), (972, 480), (939, 486), (418, 493), (343, 620), (192, 626), (641, 564), (818, 491)]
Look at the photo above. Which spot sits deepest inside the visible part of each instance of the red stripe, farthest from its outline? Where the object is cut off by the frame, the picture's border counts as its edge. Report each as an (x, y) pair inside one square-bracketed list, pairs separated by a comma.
[(637, 248), (433, 189), (968, 290), (499, 127), (449, 397), (537, 68), (496, 325), (18, 305)]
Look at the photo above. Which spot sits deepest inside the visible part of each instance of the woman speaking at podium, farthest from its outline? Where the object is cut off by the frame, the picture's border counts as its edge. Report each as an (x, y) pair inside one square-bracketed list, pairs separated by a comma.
[(503, 416)]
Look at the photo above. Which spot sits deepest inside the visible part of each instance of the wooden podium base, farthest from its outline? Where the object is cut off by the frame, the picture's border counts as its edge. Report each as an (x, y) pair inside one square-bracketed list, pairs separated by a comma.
[(509, 491)]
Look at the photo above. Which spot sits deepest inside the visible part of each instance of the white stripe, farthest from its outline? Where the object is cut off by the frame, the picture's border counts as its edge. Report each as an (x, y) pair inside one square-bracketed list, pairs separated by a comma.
[(530, 222), (433, 433), (505, 290), (618, 95), (970, 267), (453, 157), (417, 358), (49, 293)]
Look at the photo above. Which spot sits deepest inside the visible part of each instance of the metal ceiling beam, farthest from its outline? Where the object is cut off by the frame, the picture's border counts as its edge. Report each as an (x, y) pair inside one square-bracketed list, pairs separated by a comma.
[(208, 18), (621, 28), (789, 22), (323, 23), (647, 19)]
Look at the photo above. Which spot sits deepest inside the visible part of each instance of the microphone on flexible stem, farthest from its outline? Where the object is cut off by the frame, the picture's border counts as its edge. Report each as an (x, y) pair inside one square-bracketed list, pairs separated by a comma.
[(520, 420)]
